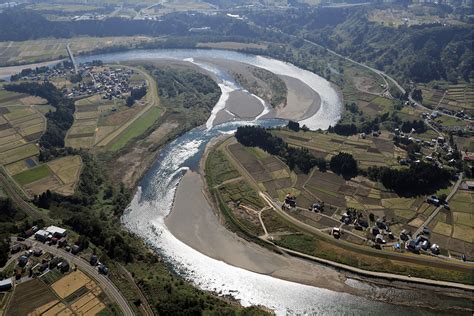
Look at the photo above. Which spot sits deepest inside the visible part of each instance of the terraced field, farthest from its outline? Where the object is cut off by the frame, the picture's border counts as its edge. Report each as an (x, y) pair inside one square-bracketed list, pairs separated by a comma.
[(372, 151), (455, 97), (60, 175), (453, 228)]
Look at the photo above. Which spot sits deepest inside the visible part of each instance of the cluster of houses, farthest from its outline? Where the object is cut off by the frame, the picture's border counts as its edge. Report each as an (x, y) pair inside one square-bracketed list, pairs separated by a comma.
[(111, 83), (420, 242), (33, 260)]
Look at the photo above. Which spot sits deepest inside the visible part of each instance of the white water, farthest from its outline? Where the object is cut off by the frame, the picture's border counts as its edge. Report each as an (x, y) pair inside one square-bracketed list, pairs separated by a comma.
[(154, 199), (226, 87)]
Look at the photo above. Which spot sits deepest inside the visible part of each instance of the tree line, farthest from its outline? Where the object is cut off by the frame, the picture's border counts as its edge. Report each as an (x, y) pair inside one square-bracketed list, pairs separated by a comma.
[(298, 159), (419, 178), (60, 120)]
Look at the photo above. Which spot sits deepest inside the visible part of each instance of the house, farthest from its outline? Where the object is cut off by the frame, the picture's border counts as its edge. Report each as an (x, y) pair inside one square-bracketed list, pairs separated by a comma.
[(375, 231), (41, 235), (363, 223), (93, 260), (404, 235), (435, 249), (55, 231), (16, 248), (63, 266), (425, 244), (380, 224), (30, 232), (37, 252), (103, 269), (43, 267), (470, 185), (412, 246), (75, 249), (22, 261), (379, 239), (6, 285)]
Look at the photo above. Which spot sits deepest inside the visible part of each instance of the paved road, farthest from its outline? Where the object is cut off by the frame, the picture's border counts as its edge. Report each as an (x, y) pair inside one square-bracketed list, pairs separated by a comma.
[(436, 211), (18, 200), (424, 108), (107, 285), (12, 258), (435, 262), (154, 100), (383, 275)]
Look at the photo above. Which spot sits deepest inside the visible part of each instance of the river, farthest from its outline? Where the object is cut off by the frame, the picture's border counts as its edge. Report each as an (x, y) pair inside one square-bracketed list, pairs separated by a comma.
[(154, 199)]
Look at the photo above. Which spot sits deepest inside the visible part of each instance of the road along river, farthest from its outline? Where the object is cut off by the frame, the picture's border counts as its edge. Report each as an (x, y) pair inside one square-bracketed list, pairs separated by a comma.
[(154, 199)]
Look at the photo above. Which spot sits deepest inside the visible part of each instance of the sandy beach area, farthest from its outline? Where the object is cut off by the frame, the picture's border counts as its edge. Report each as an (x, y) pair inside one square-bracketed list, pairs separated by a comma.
[(193, 221), (302, 101)]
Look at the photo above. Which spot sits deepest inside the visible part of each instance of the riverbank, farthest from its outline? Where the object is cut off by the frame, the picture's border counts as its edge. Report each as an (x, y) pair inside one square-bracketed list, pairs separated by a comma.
[(372, 285), (193, 221), (302, 102)]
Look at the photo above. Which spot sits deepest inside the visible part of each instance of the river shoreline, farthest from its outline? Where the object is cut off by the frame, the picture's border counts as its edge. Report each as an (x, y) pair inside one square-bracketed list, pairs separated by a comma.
[(195, 221)]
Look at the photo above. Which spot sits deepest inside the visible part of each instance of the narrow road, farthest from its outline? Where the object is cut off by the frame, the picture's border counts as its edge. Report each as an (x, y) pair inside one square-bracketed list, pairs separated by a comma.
[(436, 211), (107, 285), (144, 303), (31, 211), (12, 258), (152, 99), (383, 275), (424, 260)]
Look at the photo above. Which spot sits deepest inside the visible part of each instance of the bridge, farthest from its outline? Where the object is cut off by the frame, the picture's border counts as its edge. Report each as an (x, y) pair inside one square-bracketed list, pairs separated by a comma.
[(71, 57)]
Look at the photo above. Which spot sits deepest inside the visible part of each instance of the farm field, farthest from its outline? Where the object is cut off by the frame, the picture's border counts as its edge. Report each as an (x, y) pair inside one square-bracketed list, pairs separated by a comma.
[(60, 175), (370, 199), (453, 228), (73, 293), (97, 120), (459, 97), (372, 151), (52, 49)]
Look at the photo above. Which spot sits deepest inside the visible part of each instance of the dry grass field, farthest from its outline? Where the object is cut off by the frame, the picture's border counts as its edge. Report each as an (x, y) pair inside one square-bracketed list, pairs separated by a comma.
[(73, 294), (371, 151), (70, 283), (60, 175), (453, 97), (51, 49), (28, 296)]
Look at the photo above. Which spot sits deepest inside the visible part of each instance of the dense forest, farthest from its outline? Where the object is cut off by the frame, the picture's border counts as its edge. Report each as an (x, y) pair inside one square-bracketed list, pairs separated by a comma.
[(19, 25), (419, 178), (419, 53)]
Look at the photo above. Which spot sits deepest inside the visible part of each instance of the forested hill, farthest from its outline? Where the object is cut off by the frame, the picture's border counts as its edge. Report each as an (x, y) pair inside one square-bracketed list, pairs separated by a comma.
[(20, 25), (418, 53)]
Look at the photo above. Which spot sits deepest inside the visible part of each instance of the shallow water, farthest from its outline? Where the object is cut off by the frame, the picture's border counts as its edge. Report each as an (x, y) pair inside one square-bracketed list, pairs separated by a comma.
[(153, 202)]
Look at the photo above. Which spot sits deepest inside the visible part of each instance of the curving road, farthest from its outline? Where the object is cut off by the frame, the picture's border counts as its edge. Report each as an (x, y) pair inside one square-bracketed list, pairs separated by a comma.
[(107, 285)]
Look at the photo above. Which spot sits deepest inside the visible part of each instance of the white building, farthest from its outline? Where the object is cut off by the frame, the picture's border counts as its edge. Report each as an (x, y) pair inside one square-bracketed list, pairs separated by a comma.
[(55, 231)]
